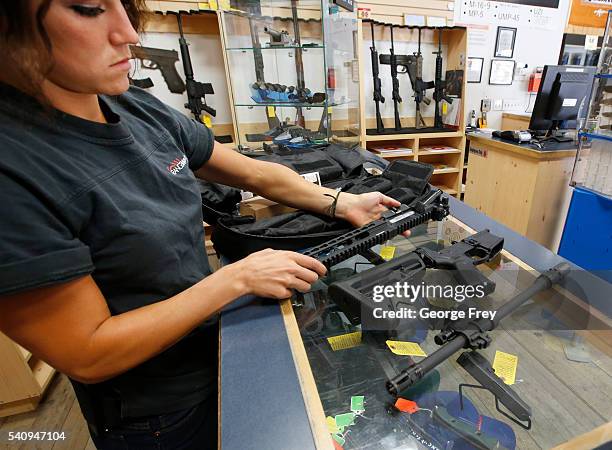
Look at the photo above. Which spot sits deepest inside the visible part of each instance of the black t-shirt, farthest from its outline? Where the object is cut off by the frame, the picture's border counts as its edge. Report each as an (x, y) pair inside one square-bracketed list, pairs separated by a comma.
[(118, 201)]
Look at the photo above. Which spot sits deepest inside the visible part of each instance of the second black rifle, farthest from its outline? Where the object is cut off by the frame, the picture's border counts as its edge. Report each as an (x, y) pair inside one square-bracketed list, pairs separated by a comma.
[(196, 91), (260, 78), (432, 205), (353, 295), (415, 72), (440, 85), (378, 97), (299, 63), (395, 93), (472, 335)]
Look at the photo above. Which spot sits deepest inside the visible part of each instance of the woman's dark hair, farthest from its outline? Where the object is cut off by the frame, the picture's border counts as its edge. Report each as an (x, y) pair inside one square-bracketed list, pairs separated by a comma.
[(25, 48)]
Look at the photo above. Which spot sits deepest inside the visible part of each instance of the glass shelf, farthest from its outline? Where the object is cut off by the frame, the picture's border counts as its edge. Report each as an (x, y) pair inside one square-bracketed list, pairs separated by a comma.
[(295, 105), (593, 165), (362, 365), (319, 54), (605, 137), (284, 105), (305, 47)]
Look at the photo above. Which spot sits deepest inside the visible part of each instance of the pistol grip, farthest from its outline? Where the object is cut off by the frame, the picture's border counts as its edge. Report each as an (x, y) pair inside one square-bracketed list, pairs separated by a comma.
[(468, 275), (175, 83)]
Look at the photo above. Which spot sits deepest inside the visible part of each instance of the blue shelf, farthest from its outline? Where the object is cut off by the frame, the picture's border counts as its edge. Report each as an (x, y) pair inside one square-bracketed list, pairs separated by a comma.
[(604, 137), (603, 75)]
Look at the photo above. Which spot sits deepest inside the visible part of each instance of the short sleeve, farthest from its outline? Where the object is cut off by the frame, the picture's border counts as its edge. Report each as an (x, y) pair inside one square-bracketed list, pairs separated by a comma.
[(36, 248), (198, 140)]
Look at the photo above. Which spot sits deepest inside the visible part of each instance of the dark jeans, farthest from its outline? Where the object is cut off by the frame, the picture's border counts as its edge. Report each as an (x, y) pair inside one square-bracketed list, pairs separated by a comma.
[(193, 428)]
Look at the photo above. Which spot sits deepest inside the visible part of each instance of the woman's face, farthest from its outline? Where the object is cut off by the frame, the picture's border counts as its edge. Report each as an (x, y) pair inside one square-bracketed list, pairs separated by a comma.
[(90, 41)]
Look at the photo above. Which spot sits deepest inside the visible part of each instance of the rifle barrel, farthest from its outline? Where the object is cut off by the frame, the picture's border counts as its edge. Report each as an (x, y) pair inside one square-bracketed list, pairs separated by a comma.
[(459, 339)]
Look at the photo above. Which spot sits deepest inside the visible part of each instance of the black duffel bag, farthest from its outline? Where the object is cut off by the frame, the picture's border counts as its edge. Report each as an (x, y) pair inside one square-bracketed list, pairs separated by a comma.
[(237, 236)]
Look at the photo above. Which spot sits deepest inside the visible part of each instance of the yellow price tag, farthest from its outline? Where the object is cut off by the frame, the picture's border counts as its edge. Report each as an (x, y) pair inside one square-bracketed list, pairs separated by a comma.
[(405, 348), (204, 5), (344, 341), (331, 425), (387, 252), (271, 110), (444, 107), (207, 121), (329, 110), (212, 4), (505, 366)]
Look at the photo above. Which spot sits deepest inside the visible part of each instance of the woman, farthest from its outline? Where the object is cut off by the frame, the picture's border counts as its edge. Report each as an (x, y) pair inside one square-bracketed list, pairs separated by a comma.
[(103, 272)]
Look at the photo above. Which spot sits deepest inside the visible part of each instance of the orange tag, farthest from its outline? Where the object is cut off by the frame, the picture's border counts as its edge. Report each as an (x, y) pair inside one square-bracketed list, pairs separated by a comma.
[(406, 405)]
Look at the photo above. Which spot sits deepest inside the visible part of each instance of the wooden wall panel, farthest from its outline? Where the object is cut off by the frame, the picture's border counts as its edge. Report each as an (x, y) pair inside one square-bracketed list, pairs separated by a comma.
[(392, 11)]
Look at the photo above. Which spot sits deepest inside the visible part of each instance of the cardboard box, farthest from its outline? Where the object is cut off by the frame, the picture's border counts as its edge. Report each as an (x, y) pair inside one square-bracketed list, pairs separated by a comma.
[(261, 207)]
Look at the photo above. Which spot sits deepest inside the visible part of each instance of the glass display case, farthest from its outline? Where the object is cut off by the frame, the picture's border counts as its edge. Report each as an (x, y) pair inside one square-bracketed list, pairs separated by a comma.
[(293, 72), (551, 364), (593, 167)]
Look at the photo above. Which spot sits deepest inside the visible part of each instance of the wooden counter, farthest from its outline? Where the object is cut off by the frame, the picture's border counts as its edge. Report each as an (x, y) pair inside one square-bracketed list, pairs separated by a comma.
[(523, 188)]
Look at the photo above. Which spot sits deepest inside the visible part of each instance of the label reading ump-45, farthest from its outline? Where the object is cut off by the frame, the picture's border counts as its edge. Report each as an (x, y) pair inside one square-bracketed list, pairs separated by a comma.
[(36, 436)]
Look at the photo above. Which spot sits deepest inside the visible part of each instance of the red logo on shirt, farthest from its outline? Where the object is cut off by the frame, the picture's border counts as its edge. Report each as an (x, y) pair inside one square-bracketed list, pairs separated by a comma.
[(177, 165)]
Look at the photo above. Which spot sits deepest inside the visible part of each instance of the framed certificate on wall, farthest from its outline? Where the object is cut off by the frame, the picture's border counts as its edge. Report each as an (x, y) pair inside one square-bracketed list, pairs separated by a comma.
[(504, 44), (474, 69), (502, 71)]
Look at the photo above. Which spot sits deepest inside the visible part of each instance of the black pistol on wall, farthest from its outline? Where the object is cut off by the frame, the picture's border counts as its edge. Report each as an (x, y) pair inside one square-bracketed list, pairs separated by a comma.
[(162, 60)]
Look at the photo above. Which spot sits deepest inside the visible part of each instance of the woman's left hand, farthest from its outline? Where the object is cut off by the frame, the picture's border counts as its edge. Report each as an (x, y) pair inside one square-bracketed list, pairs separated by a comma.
[(364, 208)]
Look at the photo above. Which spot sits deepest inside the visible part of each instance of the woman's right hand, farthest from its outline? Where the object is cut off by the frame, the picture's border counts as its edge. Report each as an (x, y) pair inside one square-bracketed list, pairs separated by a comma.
[(274, 273)]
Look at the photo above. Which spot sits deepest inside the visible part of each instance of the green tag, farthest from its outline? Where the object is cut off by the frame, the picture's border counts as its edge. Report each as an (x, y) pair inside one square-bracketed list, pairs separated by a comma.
[(339, 439), (357, 403), (344, 420)]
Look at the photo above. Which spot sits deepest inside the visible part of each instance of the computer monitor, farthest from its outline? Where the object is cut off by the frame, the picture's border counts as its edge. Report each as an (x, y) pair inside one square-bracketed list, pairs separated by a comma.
[(562, 99)]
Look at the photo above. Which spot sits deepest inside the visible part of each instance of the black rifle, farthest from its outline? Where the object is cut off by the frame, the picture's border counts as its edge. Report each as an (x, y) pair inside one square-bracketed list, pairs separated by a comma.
[(413, 66), (415, 72), (299, 63), (163, 60), (354, 294), (378, 97), (472, 334), (391, 59), (196, 91), (440, 85), (273, 121), (430, 206)]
